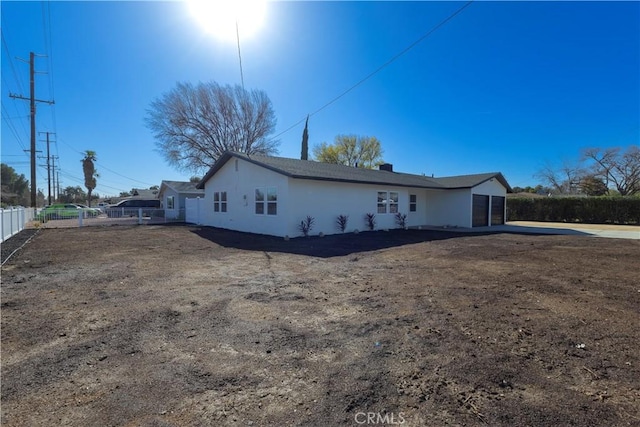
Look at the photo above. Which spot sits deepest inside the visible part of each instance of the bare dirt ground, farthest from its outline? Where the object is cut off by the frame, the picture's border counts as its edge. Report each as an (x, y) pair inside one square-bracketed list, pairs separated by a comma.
[(190, 326)]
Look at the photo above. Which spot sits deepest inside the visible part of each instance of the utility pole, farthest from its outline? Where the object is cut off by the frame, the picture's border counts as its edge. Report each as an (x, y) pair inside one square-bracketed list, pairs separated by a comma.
[(48, 164), (53, 175), (33, 100)]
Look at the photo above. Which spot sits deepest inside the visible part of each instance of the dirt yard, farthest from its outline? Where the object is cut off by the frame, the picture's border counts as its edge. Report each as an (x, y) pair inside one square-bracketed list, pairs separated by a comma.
[(189, 326)]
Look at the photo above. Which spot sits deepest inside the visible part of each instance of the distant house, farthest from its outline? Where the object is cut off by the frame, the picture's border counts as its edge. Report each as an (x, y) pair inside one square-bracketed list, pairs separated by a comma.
[(272, 195), (144, 193), (173, 195)]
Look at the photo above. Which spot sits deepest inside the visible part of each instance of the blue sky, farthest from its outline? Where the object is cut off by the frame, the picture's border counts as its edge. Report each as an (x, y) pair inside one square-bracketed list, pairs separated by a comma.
[(503, 86)]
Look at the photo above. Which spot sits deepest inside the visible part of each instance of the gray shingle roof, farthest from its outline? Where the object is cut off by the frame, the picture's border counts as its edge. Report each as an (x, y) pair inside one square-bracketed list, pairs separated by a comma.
[(306, 169), (182, 186)]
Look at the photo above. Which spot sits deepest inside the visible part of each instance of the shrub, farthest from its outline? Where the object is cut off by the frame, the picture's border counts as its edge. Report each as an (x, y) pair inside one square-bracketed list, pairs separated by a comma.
[(370, 220), (401, 220), (341, 222), (306, 225), (593, 210)]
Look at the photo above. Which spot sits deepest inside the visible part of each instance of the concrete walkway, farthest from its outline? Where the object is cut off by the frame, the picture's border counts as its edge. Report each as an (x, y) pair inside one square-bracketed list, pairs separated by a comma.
[(591, 230)]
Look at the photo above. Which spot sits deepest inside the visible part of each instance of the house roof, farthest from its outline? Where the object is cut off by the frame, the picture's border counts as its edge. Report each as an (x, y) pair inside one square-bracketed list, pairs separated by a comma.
[(180, 187), (319, 171), (137, 193)]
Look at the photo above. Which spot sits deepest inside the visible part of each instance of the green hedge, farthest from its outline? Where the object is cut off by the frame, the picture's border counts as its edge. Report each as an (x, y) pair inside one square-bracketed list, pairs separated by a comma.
[(592, 210)]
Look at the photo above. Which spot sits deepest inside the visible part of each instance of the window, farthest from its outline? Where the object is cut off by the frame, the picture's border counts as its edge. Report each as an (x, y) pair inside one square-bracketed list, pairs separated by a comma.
[(259, 201), (220, 201), (387, 202), (393, 202), (170, 202), (266, 201), (412, 202), (382, 202), (272, 201)]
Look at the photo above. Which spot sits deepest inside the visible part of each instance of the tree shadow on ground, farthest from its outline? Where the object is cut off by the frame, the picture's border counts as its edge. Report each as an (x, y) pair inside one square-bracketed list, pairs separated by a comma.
[(327, 246)]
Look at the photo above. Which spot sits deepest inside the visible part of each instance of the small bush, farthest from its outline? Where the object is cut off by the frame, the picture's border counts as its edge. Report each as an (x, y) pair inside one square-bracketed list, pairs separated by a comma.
[(401, 220), (341, 222), (370, 220), (306, 225)]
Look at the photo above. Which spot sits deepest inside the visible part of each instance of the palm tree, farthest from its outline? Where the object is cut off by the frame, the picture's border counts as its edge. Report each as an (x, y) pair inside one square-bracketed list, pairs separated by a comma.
[(90, 173)]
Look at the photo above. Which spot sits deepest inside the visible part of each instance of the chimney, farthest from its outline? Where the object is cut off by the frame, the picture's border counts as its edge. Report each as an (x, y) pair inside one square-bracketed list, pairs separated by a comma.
[(386, 167)]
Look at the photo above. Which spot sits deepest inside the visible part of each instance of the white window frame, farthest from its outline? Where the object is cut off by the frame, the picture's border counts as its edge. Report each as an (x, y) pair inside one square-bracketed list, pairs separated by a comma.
[(220, 201), (413, 205), (267, 203), (171, 202), (387, 203)]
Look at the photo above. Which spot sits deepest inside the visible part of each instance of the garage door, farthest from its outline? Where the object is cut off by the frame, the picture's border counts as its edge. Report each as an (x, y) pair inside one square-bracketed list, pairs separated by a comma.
[(480, 210), (497, 210)]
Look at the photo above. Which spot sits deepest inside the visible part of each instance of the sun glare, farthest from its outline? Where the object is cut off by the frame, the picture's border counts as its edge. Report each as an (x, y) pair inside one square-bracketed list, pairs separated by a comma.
[(219, 17)]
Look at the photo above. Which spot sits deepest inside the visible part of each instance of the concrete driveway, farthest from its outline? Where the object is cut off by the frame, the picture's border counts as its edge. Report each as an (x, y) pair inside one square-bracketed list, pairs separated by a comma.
[(594, 230)]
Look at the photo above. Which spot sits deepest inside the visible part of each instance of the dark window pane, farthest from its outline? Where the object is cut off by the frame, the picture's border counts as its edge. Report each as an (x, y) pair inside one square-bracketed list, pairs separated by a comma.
[(412, 198), (393, 208), (259, 195), (223, 196), (382, 197), (412, 207), (382, 208), (272, 208), (216, 207), (259, 208), (216, 196), (223, 207), (393, 197)]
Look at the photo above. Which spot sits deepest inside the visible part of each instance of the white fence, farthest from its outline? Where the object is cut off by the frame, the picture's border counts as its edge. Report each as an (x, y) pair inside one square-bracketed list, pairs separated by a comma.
[(194, 209), (14, 220)]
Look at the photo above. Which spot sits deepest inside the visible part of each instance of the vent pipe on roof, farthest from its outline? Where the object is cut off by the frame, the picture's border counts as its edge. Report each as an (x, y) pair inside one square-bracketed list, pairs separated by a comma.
[(386, 167)]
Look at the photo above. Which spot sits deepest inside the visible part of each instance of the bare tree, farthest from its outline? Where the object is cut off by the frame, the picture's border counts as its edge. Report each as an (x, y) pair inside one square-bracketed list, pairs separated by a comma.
[(616, 167), (194, 125), (563, 180)]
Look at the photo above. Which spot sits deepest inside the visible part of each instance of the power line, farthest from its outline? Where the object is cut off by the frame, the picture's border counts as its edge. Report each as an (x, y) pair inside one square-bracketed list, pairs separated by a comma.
[(380, 68), (13, 68), (104, 167)]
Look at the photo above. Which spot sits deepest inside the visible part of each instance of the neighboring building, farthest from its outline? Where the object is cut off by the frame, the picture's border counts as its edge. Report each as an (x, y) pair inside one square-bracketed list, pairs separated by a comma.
[(272, 195), (173, 195), (144, 194)]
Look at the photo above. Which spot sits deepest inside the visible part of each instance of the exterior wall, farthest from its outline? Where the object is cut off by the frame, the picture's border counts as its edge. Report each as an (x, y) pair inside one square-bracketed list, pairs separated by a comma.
[(492, 188), (240, 186), (448, 208), (325, 200), (171, 213)]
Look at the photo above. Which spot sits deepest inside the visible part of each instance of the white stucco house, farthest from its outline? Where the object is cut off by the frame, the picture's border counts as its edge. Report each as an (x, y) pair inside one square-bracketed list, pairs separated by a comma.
[(173, 195), (272, 195)]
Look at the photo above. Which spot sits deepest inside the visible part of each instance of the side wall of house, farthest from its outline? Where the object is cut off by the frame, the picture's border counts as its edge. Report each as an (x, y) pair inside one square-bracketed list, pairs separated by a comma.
[(448, 208), (240, 179), (490, 188), (170, 213), (325, 200)]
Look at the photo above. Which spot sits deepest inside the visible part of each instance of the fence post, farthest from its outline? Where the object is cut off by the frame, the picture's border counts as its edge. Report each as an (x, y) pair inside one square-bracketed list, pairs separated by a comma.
[(198, 211), (2, 224), (80, 215), (139, 216)]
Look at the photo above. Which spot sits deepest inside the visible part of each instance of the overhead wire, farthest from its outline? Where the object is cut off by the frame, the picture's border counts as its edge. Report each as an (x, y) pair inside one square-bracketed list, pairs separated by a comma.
[(380, 68)]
